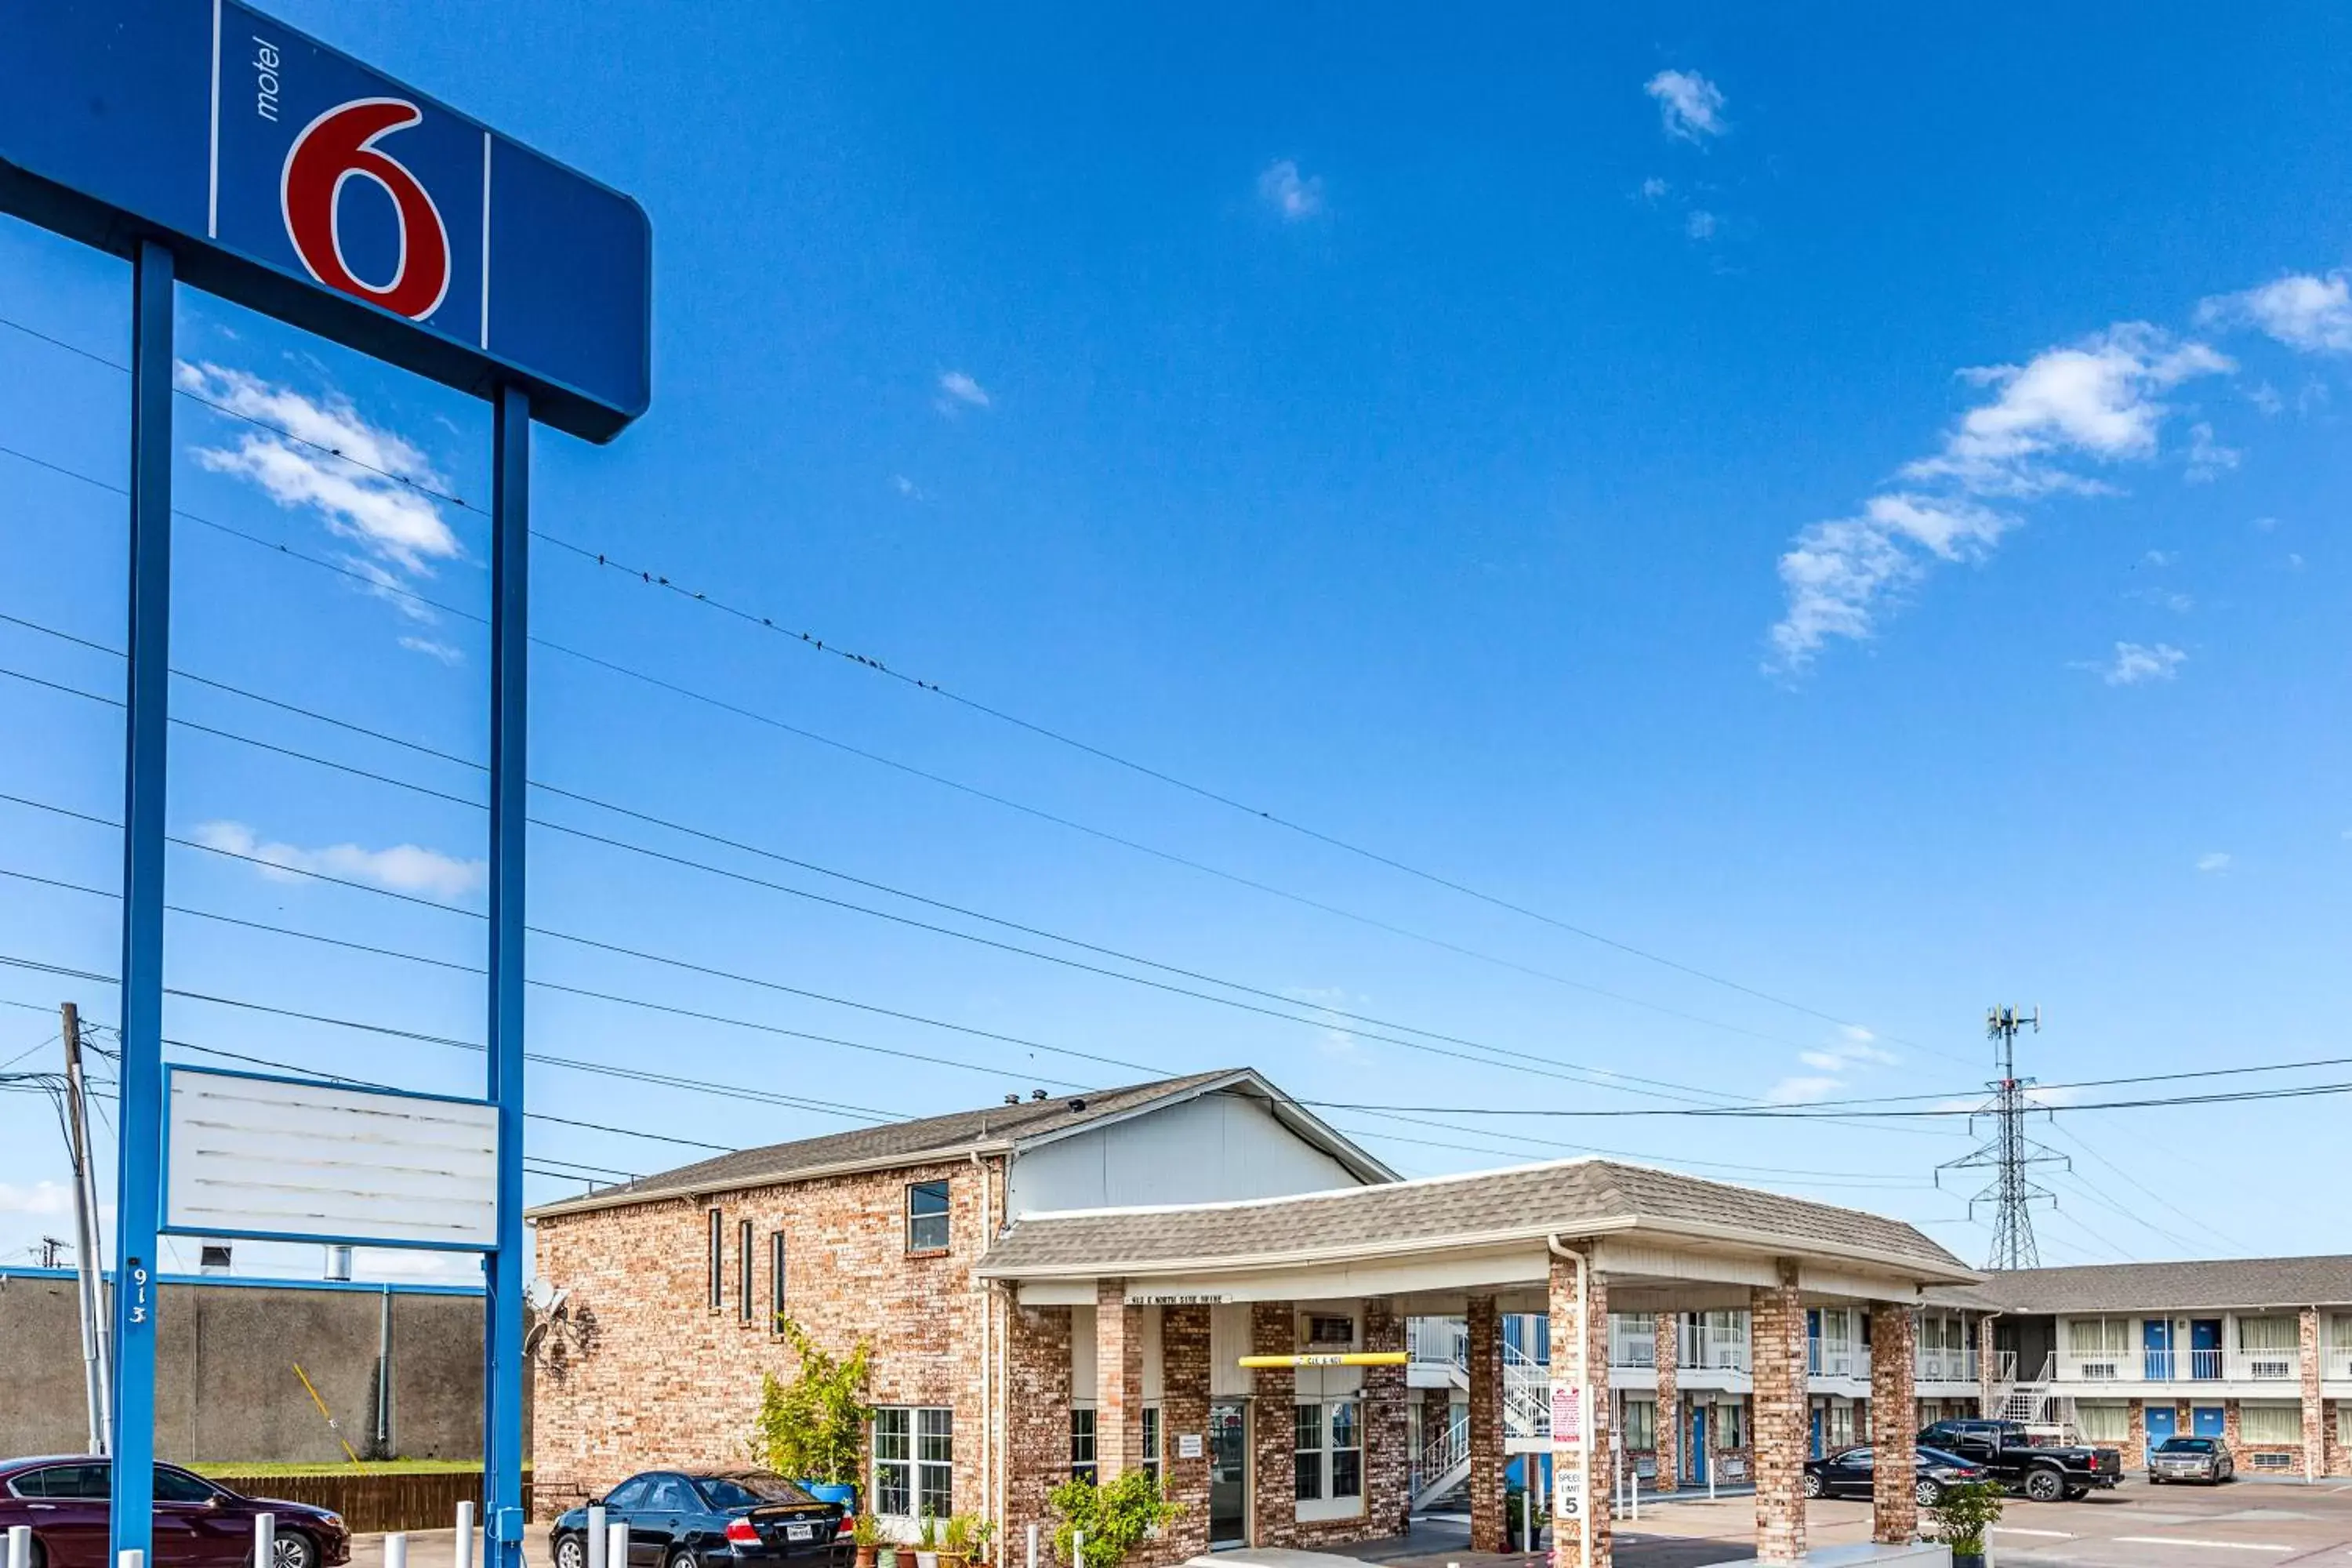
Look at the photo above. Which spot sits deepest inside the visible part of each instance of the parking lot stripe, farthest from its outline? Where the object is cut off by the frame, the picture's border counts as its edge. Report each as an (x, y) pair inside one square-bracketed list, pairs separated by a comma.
[(2210, 1545), (2021, 1530)]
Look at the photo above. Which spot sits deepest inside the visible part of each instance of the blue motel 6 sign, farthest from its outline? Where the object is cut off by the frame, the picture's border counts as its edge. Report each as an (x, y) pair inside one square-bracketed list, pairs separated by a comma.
[(290, 177)]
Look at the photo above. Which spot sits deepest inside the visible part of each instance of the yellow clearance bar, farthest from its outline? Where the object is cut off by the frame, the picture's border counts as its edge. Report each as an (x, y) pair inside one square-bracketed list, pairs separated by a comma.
[(1330, 1358)]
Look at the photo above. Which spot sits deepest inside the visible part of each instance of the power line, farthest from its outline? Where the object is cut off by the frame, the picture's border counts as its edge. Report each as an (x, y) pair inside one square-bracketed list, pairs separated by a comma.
[(2074, 1136)]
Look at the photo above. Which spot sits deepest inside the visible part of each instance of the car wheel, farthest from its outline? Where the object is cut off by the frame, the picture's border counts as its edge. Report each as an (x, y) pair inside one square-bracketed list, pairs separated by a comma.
[(570, 1553), (684, 1559), (1927, 1494), (2045, 1486), (292, 1549), (1812, 1484)]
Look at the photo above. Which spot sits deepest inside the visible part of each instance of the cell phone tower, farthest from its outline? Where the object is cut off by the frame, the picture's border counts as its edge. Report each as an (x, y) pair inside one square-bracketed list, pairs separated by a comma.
[(2009, 1154)]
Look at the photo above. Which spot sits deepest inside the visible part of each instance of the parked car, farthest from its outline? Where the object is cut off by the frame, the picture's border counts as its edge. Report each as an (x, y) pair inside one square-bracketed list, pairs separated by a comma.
[(1850, 1472), (2206, 1459), (704, 1518), (2011, 1455), (198, 1523)]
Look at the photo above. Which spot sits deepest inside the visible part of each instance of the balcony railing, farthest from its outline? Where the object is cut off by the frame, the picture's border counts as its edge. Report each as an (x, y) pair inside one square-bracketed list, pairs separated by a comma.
[(2265, 1366), (2337, 1364), (1945, 1366), (1630, 1349), (1436, 1341), (2168, 1366), (1712, 1349), (1833, 1358)]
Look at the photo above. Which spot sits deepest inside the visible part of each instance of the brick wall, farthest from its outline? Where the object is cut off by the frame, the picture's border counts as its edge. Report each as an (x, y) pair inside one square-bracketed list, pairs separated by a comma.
[(1036, 1408), (2314, 1407), (2339, 1457), (1668, 1345), (1118, 1380), (1388, 1453), (1183, 1408), (1274, 1440), (1487, 1529), (1777, 1422), (1893, 1343), (2136, 1437), (1594, 1506), (660, 1378)]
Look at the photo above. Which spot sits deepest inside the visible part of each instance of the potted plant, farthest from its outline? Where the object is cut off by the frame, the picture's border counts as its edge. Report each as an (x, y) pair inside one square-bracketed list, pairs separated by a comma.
[(927, 1541), (1111, 1518), (955, 1541), (1962, 1514), (865, 1535)]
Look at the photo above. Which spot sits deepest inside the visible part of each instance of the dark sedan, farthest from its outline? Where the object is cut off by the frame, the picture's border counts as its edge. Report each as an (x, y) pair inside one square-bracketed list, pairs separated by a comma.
[(1850, 1472), (197, 1523), (704, 1518), (2203, 1460)]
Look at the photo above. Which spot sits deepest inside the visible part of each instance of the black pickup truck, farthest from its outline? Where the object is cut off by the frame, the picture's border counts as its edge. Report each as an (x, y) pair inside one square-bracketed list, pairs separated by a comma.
[(2045, 1472)]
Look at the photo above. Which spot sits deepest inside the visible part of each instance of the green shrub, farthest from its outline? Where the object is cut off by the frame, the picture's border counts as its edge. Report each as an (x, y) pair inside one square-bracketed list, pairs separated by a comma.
[(1113, 1517), (813, 1428), (1964, 1513)]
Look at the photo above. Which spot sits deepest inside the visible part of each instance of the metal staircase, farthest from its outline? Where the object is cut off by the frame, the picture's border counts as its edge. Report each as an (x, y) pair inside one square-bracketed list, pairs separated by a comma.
[(1442, 1468)]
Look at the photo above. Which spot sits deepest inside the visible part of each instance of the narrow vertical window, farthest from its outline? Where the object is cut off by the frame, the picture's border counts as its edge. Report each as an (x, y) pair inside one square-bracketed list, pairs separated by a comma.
[(744, 1251), (776, 1281), (718, 1261)]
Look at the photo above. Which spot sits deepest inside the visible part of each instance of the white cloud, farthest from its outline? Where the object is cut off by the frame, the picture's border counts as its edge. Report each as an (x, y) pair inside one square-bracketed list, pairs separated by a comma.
[(1700, 224), (2160, 557), (1799, 1090), (961, 388), (1832, 1065), (2136, 663), (404, 868), (1690, 106), (432, 649), (41, 1199), (361, 479), (2215, 862), (1655, 188), (2207, 457), (2308, 314), (1294, 195), (2098, 399), (905, 486)]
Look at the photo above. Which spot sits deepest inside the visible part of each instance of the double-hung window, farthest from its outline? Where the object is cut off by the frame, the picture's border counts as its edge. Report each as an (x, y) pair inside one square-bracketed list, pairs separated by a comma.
[(914, 1461), (1152, 1445), (927, 1216), (2279, 1424), (1328, 1461), (1082, 1444), (2272, 1349), (1641, 1423)]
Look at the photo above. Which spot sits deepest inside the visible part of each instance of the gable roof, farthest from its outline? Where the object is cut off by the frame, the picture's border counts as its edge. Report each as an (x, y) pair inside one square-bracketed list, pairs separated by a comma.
[(1526, 1203), (2217, 1283), (989, 1129)]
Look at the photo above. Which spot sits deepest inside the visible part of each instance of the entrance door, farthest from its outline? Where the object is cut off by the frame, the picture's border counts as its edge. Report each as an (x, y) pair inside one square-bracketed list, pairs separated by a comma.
[(2205, 1347), (1699, 1445), (2206, 1421), (1228, 1476), (2161, 1424), (2156, 1349)]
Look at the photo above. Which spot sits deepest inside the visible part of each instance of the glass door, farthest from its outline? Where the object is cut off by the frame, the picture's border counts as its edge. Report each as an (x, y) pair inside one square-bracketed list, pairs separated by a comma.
[(1228, 1476)]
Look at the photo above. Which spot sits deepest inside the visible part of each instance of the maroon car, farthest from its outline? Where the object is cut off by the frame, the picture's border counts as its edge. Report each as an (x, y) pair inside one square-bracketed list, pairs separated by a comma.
[(197, 1525)]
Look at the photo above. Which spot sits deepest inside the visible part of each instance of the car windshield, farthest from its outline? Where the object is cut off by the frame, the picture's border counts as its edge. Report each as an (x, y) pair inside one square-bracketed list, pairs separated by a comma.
[(751, 1489), (2187, 1446)]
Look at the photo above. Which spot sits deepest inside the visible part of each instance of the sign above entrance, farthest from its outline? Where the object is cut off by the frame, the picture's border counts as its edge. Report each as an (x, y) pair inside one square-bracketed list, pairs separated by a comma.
[(1329, 1358), (1176, 1299), (291, 178)]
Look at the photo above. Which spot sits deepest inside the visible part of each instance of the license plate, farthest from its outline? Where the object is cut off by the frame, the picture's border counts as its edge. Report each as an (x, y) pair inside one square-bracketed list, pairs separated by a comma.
[(799, 1532)]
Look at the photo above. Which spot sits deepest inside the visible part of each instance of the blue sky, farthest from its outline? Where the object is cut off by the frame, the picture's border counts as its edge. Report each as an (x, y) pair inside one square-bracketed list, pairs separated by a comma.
[(1854, 508)]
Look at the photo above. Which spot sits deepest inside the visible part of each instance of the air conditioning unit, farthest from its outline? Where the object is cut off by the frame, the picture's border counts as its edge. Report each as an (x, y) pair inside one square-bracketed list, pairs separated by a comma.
[(2272, 1461), (2279, 1369)]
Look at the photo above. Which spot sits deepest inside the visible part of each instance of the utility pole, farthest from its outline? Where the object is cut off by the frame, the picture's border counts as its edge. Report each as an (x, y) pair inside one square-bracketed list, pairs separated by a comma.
[(96, 1373), (52, 1249), (2009, 1154)]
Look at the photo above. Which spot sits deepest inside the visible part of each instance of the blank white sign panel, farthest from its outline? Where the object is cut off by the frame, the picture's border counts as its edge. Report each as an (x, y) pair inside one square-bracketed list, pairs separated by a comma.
[(320, 1162)]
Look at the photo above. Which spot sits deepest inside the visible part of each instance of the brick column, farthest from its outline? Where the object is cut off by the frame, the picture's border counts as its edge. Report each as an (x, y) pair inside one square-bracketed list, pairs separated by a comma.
[(1894, 1421), (1777, 1435), (1274, 1435), (1184, 1411), (1118, 1380), (2136, 1434), (1593, 1508), (1488, 1530), (1987, 1368), (2314, 1407), (1388, 1426), (1036, 1414), (1670, 1413)]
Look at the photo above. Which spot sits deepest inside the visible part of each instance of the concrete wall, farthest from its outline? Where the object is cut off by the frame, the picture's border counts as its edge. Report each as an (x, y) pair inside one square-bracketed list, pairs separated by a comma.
[(225, 1390)]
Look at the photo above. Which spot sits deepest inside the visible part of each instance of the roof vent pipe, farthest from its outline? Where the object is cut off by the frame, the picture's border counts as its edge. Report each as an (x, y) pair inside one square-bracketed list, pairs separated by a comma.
[(1036, 1094), (1077, 1105)]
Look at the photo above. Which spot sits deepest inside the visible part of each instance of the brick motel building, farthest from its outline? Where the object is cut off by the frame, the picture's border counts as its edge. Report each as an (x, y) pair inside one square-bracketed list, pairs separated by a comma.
[(1068, 1286)]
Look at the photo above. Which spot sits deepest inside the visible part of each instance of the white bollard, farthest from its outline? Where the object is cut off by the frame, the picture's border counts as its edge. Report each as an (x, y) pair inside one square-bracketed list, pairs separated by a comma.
[(132, 1558), (596, 1538), (20, 1546), (616, 1544), (395, 1551), (265, 1541), (1077, 1549), (464, 1556), (1032, 1546)]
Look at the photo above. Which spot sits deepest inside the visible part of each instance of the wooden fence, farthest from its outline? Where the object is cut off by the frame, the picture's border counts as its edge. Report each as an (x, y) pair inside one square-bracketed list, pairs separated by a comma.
[(379, 1501)]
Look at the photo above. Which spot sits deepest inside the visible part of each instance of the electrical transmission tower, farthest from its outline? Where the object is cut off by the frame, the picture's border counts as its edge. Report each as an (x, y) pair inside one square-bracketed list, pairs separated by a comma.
[(2009, 1154)]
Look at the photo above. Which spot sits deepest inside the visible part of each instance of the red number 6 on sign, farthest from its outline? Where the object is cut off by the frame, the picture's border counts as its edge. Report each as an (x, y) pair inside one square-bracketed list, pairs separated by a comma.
[(341, 145)]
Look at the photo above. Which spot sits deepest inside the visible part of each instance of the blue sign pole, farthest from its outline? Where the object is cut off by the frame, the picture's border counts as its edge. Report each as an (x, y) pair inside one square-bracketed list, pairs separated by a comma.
[(503, 1370), (139, 1183)]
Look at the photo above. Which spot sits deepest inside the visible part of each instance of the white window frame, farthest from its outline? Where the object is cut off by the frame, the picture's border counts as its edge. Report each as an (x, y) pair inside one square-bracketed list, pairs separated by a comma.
[(2114, 1423), (1085, 1437), (1154, 1428), (1326, 1456), (911, 1430), (1649, 1439)]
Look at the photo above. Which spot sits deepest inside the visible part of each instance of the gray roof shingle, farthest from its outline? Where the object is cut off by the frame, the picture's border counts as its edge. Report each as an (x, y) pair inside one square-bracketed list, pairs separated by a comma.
[(2217, 1283), (1445, 1211), (926, 1138)]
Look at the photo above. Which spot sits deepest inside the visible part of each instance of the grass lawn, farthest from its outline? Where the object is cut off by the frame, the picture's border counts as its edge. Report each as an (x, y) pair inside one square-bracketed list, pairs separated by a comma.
[(379, 1467)]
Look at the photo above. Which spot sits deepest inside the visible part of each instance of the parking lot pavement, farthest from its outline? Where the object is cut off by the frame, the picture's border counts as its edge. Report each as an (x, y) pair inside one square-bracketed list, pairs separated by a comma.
[(2134, 1526)]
